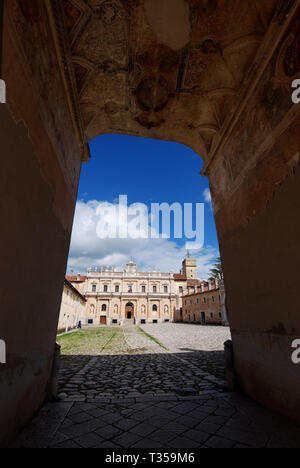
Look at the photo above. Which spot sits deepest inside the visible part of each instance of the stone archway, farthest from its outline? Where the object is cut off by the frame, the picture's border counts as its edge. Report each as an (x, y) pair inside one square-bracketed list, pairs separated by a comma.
[(223, 87)]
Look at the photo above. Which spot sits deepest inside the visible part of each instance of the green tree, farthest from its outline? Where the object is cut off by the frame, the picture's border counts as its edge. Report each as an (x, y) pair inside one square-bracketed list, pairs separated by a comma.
[(217, 271)]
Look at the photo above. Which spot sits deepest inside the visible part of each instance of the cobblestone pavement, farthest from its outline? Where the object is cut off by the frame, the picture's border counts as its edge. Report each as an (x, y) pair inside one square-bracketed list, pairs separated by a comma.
[(137, 394), (181, 337), (133, 365)]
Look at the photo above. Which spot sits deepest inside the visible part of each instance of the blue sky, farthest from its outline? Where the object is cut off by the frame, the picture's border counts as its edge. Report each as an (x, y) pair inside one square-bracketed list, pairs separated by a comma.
[(148, 171)]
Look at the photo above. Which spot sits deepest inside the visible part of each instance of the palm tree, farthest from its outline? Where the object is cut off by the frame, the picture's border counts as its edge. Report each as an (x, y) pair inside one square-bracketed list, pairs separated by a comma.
[(217, 271)]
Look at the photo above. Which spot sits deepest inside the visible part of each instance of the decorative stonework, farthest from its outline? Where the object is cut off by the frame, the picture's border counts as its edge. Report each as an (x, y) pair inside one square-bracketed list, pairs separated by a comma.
[(288, 61), (107, 12), (291, 63), (72, 15), (122, 79), (152, 93)]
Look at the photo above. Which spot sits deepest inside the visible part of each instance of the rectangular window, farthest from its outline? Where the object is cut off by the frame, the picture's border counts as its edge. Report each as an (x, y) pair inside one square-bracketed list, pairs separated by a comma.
[(94, 288), (117, 289), (220, 315), (180, 290), (213, 298), (155, 289), (211, 315), (166, 289), (143, 289), (130, 289), (90, 322), (105, 288)]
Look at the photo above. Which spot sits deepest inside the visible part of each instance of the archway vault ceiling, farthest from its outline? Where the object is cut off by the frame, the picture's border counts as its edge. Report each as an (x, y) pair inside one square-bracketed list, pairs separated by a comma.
[(168, 69)]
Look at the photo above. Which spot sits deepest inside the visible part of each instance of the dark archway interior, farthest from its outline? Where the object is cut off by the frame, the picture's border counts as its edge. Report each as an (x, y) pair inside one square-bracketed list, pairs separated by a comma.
[(219, 82)]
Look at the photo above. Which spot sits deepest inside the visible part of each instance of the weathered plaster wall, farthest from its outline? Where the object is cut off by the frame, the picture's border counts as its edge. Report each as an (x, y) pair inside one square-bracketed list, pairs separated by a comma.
[(255, 187), (40, 166)]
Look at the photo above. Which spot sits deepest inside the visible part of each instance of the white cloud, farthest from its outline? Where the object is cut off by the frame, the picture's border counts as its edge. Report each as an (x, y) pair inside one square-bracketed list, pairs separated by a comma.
[(88, 250), (207, 195)]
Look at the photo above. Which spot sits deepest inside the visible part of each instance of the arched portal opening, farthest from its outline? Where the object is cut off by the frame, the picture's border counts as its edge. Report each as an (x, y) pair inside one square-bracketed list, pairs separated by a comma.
[(215, 83), (129, 311)]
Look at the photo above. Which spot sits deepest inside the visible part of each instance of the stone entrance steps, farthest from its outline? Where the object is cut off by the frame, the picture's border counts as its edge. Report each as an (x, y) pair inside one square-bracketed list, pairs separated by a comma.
[(129, 323)]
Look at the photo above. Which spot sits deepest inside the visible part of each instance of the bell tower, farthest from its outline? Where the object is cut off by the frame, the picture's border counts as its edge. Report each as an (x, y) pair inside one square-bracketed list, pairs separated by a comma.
[(189, 267)]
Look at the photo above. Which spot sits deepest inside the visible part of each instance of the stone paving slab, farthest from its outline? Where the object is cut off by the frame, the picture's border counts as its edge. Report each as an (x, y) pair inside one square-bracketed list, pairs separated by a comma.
[(159, 424)]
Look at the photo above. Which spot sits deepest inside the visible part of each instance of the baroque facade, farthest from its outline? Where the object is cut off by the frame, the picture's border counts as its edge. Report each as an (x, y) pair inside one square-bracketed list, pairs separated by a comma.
[(115, 297)]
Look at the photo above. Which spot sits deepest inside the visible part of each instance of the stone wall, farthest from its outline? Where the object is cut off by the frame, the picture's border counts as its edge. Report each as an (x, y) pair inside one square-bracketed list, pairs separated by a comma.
[(255, 185), (72, 309), (40, 166)]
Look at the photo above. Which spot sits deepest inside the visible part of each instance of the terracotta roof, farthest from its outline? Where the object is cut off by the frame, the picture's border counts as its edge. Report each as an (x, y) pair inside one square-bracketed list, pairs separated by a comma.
[(199, 293), (192, 282), (67, 282), (179, 277), (74, 279)]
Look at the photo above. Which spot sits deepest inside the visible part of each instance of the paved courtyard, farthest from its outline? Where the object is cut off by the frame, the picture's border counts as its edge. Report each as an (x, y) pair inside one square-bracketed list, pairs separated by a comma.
[(162, 386)]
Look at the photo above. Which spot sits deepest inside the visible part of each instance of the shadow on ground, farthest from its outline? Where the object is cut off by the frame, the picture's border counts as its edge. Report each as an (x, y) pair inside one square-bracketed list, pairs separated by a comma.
[(167, 401)]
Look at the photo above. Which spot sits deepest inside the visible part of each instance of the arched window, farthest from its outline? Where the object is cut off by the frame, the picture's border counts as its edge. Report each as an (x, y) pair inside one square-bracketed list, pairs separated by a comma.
[(154, 308), (104, 308)]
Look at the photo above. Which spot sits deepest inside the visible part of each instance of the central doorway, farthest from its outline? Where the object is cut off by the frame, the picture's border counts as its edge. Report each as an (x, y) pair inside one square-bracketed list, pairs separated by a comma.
[(103, 320), (129, 311)]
